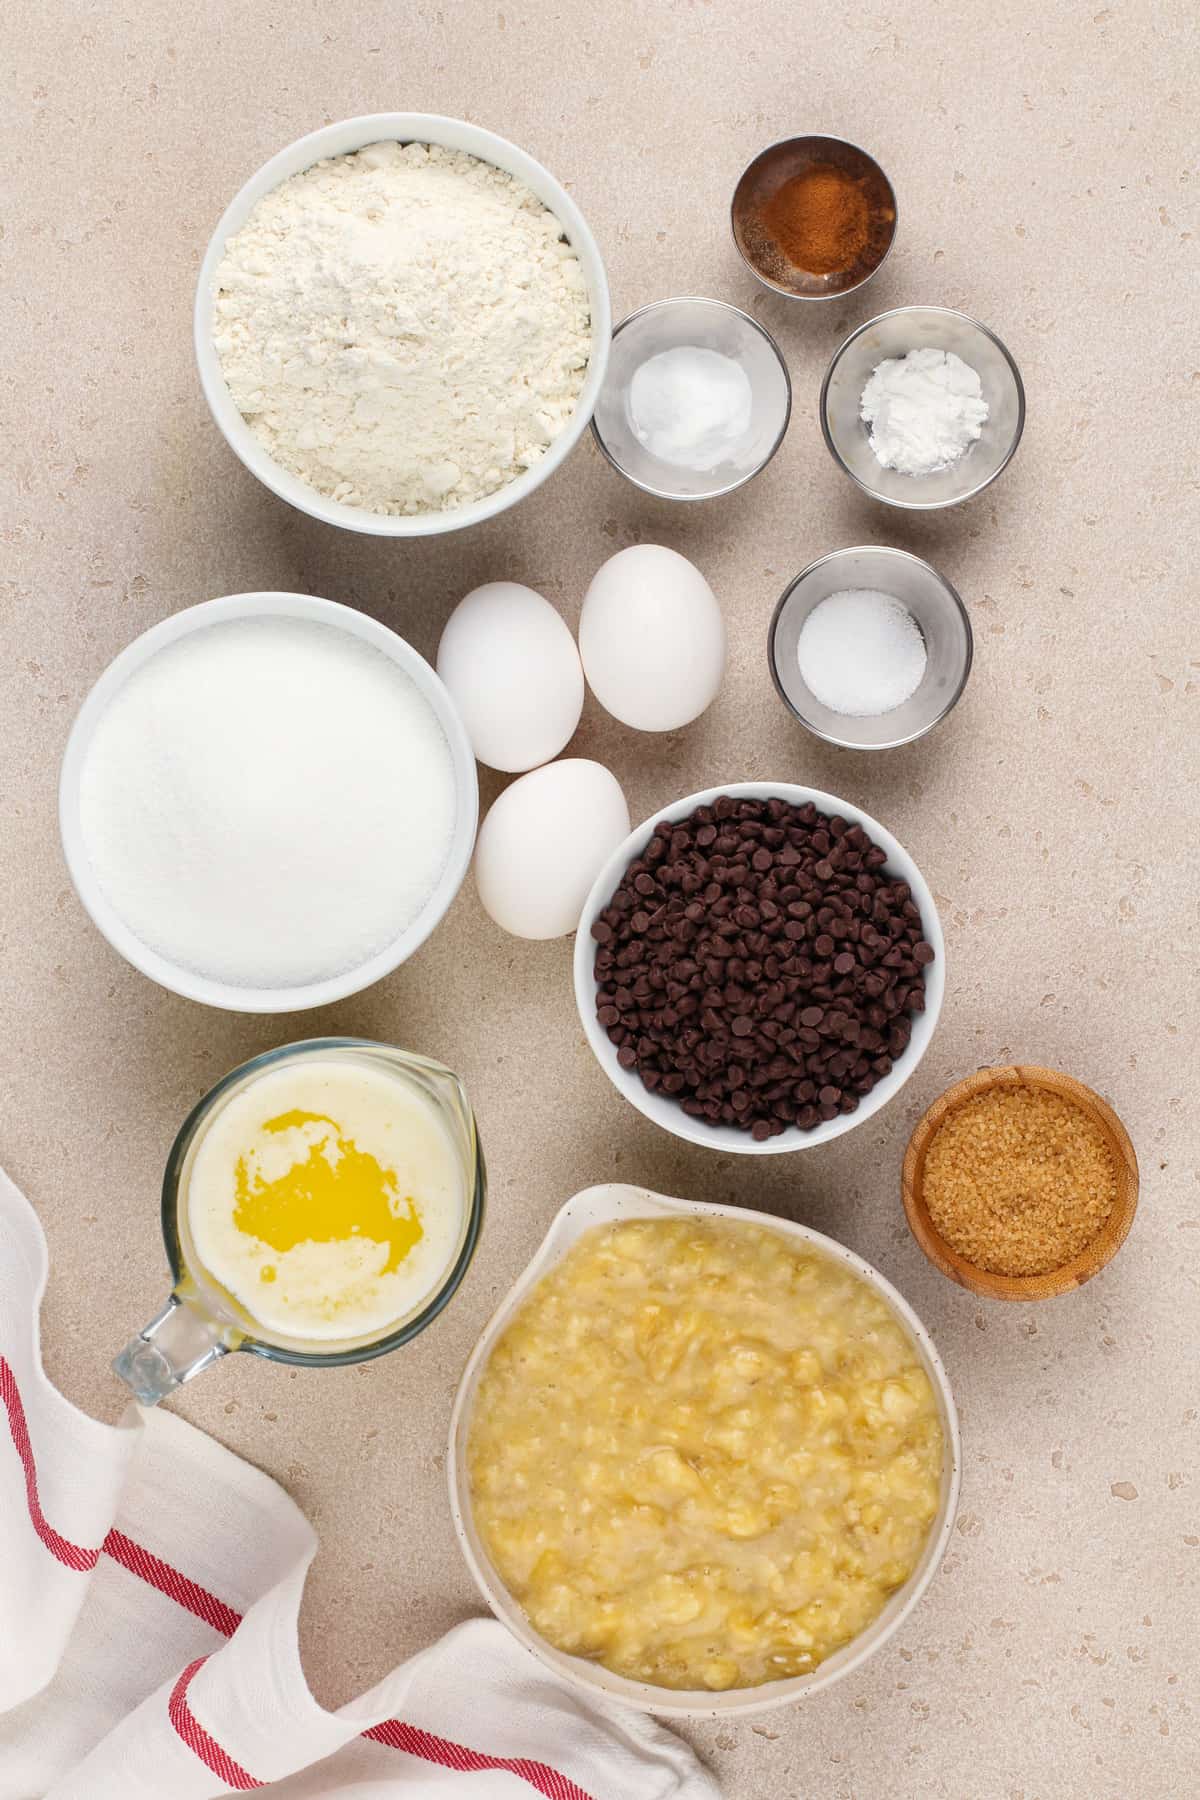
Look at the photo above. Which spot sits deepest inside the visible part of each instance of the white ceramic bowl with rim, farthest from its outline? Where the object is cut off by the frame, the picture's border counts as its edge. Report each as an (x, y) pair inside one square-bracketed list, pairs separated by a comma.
[(660, 1107), (603, 1205), (340, 140), (183, 981)]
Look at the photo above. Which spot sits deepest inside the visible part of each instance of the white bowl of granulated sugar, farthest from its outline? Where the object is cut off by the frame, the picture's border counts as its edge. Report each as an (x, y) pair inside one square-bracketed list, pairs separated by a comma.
[(402, 324), (267, 802)]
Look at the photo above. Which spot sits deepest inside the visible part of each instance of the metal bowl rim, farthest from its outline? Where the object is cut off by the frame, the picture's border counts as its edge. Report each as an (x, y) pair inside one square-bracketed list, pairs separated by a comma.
[(814, 137), (732, 488), (949, 312), (835, 556)]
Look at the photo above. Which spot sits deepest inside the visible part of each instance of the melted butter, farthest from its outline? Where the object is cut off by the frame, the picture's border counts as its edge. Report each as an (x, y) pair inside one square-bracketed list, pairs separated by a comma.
[(325, 1200), (337, 1192)]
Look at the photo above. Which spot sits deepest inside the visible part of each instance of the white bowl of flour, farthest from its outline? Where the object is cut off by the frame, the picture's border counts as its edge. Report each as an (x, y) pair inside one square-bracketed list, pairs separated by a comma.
[(268, 802), (402, 324)]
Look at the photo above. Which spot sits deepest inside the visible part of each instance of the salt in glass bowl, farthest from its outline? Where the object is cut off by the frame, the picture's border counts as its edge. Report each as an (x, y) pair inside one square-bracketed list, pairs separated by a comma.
[(702, 324), (226, 995), (341, 140), (894, 334), (660, 1108), (941, 618)]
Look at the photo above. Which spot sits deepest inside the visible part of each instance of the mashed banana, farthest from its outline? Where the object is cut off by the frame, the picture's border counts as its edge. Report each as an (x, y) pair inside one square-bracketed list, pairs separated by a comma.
[(703, 1455)]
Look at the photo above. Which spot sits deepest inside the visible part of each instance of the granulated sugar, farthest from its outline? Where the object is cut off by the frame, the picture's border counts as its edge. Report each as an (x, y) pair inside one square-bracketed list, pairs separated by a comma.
[(861, 653), (268, 802)]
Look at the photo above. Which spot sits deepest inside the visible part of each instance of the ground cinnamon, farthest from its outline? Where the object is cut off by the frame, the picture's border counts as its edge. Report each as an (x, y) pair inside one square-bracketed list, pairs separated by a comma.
[(820, 219)]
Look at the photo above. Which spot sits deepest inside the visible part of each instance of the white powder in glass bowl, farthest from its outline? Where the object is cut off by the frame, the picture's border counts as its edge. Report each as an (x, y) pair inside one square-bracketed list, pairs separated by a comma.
[(268, 802), (924, 410), (404, 328)]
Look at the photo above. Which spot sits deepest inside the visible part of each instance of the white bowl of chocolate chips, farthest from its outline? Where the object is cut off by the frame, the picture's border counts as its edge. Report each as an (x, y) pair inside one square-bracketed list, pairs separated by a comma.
[(759, 967)]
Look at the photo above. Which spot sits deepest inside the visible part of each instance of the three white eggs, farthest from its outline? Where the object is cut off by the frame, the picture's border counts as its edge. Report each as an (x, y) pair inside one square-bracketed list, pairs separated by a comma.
[(652, 645)]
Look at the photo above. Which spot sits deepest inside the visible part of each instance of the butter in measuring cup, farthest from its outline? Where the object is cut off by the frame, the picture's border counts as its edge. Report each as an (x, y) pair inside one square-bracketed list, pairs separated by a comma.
[(320, 1206), (325, 1199)]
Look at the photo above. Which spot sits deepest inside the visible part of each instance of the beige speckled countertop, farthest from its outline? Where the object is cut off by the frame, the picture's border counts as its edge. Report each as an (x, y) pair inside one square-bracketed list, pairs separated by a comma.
[(1044, 158)]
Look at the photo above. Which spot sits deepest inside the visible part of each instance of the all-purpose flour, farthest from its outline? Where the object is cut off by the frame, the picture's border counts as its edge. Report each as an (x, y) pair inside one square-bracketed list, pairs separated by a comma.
[(404, 328)]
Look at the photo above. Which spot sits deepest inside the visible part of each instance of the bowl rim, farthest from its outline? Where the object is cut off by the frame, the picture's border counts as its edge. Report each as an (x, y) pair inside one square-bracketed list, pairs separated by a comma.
[(889, 550), (813, 137), (269, 603), (332, 140), (949, 312), (1094, 1256), (731, 487), (724, 1138), (607, 1202)]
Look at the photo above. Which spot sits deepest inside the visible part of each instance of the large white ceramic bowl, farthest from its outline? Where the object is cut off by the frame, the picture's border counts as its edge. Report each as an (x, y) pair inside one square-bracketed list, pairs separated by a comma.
[(601, 1205), (340, 140), (186, 981), (660, 1107)]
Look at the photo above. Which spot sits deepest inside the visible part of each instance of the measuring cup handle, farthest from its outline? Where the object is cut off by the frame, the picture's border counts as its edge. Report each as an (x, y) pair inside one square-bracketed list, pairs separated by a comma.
[(173, 1347)]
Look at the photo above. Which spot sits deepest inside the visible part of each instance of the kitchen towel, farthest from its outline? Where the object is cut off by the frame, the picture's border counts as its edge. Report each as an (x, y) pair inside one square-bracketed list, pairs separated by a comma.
[(150, 1584)]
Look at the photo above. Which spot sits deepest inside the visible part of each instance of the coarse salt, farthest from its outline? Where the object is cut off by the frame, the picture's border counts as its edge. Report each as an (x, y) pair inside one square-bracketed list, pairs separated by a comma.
[(861, 653), (268, 802)]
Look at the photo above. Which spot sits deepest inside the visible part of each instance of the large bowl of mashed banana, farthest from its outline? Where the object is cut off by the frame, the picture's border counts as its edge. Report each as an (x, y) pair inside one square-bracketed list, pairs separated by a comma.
[(702, 1460)]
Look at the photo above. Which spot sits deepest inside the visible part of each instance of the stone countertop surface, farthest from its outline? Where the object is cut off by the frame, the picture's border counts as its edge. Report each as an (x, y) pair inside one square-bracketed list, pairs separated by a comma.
[(1044, 160)]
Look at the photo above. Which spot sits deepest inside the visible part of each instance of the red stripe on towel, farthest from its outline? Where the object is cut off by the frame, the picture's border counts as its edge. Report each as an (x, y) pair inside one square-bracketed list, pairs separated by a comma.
[(159, 1574), (415, 1742), (73, 1555), (132, 1556), (198, 1740)]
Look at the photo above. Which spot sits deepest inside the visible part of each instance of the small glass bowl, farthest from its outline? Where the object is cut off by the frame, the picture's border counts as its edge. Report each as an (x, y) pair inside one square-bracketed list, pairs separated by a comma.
[(933, 603), (894, 334), (706, 325)]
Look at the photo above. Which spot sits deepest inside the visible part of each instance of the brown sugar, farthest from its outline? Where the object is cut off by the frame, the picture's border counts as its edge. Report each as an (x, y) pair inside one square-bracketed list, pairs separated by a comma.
[(1019, 1180)]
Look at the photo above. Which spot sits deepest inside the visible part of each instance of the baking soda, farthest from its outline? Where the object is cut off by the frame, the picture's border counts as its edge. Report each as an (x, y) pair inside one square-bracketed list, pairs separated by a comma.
[(861, 653), (268, 802), (691, 407)]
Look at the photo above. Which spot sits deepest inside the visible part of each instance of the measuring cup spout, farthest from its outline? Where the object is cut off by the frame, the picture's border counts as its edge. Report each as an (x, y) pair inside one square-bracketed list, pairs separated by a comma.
[(177, 1344)]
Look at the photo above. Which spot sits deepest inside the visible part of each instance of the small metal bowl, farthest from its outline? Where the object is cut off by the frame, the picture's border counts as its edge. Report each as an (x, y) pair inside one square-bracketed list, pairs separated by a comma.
[(895, 334), (707, 325), (935, 606), (762, 179)]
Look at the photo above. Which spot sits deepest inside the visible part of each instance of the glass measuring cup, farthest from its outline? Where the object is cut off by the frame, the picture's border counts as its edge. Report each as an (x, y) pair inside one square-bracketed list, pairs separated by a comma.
[(202, 1321)]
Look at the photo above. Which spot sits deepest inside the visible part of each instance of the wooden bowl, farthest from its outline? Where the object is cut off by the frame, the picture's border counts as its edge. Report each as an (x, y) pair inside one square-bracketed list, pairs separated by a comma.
[(1091, 1258)]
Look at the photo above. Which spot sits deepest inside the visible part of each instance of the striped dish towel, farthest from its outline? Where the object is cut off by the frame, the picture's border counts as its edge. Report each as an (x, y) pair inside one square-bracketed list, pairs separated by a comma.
[(150, 1584)]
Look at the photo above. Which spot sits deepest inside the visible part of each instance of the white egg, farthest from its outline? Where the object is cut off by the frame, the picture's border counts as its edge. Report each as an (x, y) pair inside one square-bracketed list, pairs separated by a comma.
[(543, 844), (513, 672), (652, 638)]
